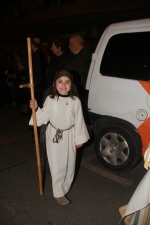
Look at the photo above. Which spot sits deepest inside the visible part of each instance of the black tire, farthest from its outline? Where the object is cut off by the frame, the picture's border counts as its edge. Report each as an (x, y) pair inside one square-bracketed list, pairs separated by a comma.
[(118, 147)]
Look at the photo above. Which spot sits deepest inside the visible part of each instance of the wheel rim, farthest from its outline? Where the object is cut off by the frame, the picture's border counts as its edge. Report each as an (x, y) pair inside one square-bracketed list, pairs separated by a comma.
[(114, 149)]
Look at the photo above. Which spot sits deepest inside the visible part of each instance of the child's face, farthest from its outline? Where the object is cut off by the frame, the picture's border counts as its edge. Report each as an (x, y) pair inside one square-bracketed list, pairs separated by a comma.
[(63, 85)]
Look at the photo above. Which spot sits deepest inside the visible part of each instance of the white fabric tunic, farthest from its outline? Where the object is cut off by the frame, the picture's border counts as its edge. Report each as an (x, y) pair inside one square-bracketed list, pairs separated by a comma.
[(62, 114), (141, 197)]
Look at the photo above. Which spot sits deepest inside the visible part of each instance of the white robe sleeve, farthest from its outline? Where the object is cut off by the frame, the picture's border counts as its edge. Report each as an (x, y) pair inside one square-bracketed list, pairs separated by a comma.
[(42, 115), (81, 133)]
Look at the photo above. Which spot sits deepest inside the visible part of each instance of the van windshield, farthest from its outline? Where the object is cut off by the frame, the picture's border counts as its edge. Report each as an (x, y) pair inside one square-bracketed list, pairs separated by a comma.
[(127, 56)]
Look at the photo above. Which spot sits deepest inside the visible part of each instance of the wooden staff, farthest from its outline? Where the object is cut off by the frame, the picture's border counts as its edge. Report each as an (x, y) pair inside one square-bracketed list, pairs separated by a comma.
[(31, 85)]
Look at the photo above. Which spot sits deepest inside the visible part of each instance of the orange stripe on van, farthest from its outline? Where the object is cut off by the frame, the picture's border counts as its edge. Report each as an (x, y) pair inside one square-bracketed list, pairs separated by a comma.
[(146, 86), (144, 131)]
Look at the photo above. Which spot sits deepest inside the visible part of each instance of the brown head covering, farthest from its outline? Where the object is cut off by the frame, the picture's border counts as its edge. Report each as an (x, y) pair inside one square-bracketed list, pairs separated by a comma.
[(52, 91), (63, 73)]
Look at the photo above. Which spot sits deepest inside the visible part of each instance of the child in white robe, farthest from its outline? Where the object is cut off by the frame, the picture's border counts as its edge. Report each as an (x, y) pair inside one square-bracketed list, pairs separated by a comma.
[(66, 131)]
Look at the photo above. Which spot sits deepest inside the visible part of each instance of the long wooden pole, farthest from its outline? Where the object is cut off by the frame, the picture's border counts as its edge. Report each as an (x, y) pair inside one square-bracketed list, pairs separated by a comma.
[(34, 115)]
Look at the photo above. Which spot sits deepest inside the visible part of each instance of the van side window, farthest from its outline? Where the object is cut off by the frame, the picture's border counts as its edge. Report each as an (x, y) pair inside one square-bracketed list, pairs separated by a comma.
[(127, 56)]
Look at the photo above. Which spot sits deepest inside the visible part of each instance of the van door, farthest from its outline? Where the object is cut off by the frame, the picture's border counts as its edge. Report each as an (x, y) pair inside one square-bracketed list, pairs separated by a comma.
[(127, 56), (120, 89)]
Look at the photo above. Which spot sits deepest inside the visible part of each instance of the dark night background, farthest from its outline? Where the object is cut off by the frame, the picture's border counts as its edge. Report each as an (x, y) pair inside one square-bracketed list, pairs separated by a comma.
[(49, 18)]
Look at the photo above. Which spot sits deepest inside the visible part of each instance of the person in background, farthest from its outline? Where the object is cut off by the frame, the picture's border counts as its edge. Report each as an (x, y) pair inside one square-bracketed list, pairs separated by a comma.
[(2, 83), (23, 94), (80, 62), (65, 132), (39, 68), (79, 66), (58, 60), (10, 75)]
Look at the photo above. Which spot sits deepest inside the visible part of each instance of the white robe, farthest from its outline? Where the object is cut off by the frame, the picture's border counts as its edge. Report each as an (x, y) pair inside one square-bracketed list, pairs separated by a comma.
[(62, 114), (141, 197)]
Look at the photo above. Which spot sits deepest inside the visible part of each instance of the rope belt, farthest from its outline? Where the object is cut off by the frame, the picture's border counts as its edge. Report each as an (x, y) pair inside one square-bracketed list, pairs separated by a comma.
[(59, 134)]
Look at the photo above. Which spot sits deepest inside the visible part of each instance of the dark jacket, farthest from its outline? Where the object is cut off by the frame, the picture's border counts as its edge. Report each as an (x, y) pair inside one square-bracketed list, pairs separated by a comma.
[(39, 70), (56, 64), (79, 65)]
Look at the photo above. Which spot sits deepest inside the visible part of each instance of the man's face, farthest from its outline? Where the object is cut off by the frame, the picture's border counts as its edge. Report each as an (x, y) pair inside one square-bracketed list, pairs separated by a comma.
[(73, 46)]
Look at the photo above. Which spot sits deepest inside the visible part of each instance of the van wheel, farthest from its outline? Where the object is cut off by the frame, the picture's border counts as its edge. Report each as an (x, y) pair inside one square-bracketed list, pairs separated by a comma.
[(118, 147)]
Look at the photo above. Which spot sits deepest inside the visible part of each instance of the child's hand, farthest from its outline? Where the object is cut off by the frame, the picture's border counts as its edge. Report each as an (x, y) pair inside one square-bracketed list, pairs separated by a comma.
[(33, 104), (78, 146)]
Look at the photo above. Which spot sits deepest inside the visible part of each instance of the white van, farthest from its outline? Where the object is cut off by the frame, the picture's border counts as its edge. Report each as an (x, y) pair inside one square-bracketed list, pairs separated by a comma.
[(119, 94)]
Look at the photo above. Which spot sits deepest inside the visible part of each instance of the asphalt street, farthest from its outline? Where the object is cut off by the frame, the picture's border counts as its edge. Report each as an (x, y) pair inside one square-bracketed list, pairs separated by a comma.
[(96, 193)]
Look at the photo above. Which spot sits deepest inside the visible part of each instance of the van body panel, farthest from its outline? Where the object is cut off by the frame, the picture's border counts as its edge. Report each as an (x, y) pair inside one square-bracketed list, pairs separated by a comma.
[(114, 99), (122, 98)]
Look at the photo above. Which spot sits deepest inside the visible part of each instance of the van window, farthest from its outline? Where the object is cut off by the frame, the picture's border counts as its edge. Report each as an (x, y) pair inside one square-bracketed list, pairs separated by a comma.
[(127, 55)]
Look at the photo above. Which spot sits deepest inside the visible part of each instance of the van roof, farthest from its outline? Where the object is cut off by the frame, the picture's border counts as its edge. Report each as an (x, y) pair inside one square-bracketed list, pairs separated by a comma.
[(132, 23)]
